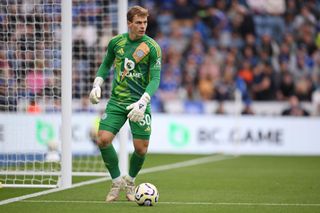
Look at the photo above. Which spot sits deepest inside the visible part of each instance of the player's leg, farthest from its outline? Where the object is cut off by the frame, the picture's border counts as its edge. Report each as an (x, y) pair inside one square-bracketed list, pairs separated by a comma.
[(108, 153), (110, 159), (138, 156), (136, 162), (141, 133), (110, 124)]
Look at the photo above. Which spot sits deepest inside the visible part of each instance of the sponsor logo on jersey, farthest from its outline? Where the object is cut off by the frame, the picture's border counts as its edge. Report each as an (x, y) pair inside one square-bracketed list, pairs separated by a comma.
[(129, 64), (125, 73), (140, 52)]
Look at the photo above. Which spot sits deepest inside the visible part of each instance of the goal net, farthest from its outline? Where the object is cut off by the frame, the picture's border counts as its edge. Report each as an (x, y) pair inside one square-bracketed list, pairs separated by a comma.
[(30, 88)]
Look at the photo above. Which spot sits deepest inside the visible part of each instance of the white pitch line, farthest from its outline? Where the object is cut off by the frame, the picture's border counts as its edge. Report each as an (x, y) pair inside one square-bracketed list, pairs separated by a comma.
[(178, 203), (193, 162)]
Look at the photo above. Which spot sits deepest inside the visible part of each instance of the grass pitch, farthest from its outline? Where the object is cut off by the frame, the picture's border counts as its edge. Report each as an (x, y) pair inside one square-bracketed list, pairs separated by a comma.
[(214, 184)]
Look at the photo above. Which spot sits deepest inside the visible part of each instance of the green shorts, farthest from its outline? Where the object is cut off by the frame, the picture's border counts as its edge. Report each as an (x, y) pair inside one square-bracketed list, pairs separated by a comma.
[(115, 116)]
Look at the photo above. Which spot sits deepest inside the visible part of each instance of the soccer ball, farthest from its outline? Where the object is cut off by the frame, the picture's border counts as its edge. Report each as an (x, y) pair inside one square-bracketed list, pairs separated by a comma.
[(146, 194)]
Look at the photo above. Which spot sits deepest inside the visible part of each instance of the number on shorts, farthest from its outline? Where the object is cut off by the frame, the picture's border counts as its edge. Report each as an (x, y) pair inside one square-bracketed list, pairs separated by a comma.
[(145, 120)]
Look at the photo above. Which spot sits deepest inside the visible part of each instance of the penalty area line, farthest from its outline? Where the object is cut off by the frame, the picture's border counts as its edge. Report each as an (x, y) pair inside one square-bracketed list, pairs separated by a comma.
[(178, 203), (197, 161)]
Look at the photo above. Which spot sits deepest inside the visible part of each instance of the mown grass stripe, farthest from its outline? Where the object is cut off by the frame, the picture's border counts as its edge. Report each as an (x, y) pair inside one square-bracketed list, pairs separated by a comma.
[(197, 161)]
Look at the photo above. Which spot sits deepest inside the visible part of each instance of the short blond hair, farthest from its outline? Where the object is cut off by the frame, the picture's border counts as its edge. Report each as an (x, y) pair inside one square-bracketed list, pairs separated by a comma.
[(137, 10)]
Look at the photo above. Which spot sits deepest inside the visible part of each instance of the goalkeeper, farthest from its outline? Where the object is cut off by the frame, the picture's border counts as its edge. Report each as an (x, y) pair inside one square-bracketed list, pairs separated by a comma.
[(137, 64)]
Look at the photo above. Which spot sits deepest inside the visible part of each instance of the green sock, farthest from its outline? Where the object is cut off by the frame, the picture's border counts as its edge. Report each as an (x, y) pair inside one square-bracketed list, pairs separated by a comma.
[(136, 162), (110, 158)]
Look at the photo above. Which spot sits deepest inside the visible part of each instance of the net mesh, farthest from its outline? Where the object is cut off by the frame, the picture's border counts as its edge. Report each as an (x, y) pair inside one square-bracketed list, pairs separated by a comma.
[(30, 87), (30, 84)]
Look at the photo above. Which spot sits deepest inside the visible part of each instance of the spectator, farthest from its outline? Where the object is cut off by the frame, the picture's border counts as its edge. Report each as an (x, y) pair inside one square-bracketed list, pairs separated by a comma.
[(304, 89), (295, 109), (53, 107), (8, 101), (220, 108), (263, 86), (209, 68), (303, 18), (269, 46), (177, 41), (316, 102), (33, 107), (184, 15), (84, 31), (206, 88), (170, 79), (245, 72), (35, 82), (285, 56), (224, 87), (286, 87)]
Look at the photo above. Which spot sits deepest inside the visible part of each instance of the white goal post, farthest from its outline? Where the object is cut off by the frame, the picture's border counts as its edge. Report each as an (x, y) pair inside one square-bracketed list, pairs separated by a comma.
[(123, 150), (50, 50), (66, 95)]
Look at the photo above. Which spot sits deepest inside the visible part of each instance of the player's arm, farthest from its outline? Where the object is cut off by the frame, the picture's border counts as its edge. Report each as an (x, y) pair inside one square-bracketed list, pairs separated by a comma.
[(138, 108), (102, 73), (155, 70)]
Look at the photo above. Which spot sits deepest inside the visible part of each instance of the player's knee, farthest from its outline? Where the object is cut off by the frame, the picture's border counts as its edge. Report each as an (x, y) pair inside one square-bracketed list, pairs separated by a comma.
[(141, 147), (103, 140), (141, 151)]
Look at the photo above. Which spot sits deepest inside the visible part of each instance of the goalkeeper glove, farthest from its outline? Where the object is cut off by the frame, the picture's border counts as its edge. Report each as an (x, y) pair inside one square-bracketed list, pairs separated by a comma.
[(138, 108), (95, 93)]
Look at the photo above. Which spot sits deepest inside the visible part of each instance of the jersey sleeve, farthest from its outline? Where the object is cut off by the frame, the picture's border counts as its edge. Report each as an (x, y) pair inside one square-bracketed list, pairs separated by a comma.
[(154, 69), (107, 61)]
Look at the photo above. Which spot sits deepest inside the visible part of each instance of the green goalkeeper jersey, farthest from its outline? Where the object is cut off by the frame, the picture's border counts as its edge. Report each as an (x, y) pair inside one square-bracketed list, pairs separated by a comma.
[(137, 66)]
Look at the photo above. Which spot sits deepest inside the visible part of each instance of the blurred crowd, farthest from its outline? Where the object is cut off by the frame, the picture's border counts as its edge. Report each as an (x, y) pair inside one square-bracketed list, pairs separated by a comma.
[(30, 51), (268, 50)]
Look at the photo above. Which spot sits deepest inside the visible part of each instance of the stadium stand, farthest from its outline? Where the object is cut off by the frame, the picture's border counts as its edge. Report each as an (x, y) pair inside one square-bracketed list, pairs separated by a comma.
[(269, 50)]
